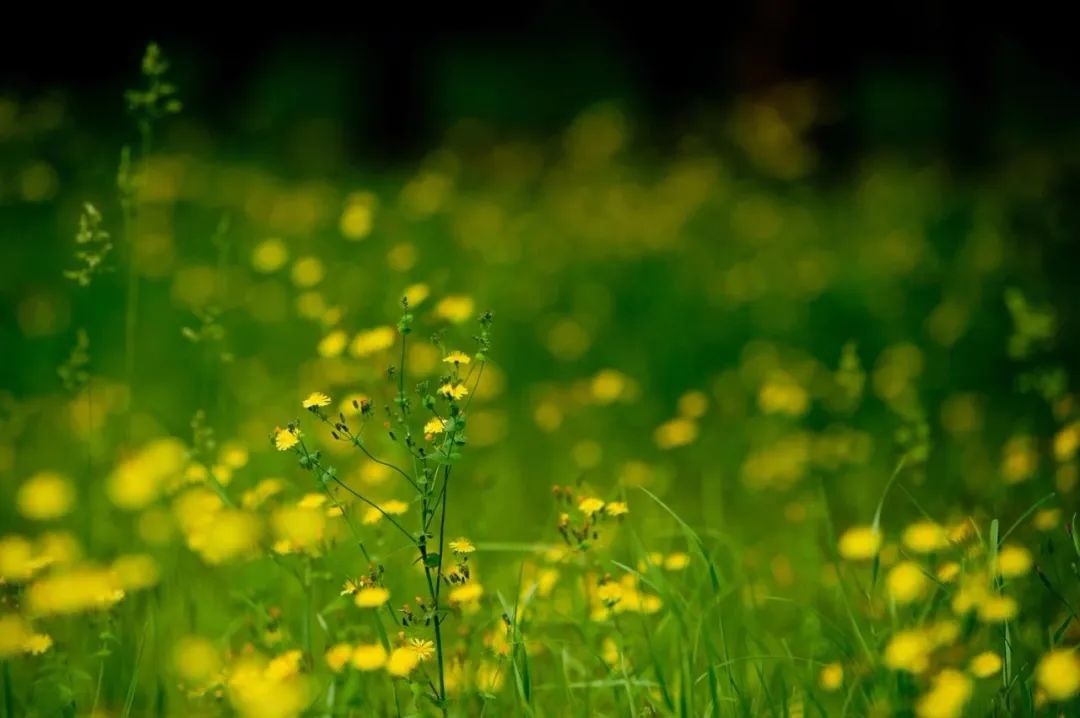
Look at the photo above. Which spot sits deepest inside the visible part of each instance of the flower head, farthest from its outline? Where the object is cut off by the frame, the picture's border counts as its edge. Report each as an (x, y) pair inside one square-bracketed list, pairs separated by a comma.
[(832, 677), (1058, 674), (462, 546), (45, 495), (616, 508), (369, 657), (949, 693), (456, 391), (906, 582), (860, 543), (285, 439), (457, 358), (316, 399), (372, 597), (985, 664), (590, 506), (423, 648), (402, 662)]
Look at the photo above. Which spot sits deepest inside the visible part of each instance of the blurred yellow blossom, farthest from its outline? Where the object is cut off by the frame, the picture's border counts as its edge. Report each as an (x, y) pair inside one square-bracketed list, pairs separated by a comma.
[(985, 665), (45, 495), (368, 657), (860, 543), (371, 597), (455, 308), (1058, 674)]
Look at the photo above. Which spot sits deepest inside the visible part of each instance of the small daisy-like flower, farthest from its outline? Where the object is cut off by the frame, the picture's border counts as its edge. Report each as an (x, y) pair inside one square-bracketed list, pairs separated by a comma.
[(372, 597), (435, 426), (456, 357), (457, 392), (350, 588), (423, 648), (462, 546), (285, 439), (316, 399), (616, 508), (591, 506)]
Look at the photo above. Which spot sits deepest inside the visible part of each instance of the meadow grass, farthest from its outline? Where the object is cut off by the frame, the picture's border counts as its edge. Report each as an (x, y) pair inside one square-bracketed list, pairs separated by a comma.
[(282, 462)]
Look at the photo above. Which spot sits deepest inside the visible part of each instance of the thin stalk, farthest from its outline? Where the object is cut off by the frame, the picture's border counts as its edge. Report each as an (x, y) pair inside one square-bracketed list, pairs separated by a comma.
[(314, 463)]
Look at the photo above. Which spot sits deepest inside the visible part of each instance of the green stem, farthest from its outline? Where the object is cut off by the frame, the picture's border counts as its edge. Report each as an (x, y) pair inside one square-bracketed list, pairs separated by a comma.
[(438, 588), (9, 696)]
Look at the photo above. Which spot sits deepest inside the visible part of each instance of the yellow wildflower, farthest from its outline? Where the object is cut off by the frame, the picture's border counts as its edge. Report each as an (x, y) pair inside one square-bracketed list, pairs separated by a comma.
[(269, 256), (590, 506), (333, 344), (997, 609), (860, 543), (1058, 674), (949, 693), (462, 546), (1013, 561), (908, 651), (925, 537), (456, 391), (45, 495), (370, 341), (285, 439), (369, 657), (197, 660), (395, 507), (616, 508), (677, 561), (906, 582), (675, 433), (402, 662), (372, 597), (466, 595), (13, 635), (455, 308), (38, 644), (457, 358), (338, 656), (985, 664), (423, 648), (831, 677), (316, 399), (948, 571)]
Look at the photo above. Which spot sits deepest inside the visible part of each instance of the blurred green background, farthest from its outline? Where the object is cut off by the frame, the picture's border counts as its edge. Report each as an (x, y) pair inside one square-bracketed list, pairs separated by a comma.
[(688, 207)]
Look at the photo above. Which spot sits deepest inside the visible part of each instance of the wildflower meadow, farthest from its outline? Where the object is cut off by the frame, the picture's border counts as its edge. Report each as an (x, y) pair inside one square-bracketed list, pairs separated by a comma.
[(531, 425)]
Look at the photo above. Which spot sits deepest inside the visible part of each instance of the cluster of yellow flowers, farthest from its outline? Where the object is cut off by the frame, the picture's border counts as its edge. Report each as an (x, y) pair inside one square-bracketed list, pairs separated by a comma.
[(976, 578), (614, 596), (218, 533), (398, 662)]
